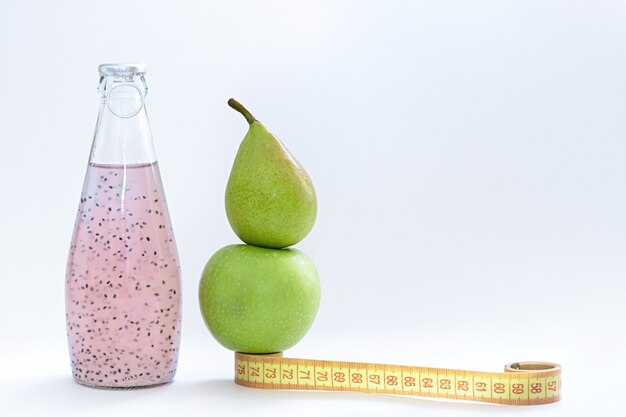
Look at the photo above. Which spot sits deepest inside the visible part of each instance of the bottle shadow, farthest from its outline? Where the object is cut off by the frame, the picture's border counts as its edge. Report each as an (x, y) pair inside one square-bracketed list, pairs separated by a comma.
[(61, 395)]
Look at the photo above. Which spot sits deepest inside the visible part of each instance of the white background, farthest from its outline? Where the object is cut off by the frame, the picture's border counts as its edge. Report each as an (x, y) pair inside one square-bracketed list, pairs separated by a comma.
[(469, 159)]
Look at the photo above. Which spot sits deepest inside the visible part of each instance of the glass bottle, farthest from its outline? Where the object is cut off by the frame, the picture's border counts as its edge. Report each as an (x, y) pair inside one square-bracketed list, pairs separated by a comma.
[(123, 298)]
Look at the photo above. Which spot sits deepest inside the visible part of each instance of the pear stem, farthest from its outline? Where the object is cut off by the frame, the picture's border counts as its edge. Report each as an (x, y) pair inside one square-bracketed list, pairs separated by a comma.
[(241, 109)]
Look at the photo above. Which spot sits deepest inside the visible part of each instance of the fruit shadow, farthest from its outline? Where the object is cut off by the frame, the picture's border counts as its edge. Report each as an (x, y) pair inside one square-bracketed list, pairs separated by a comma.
[(252, 398), (63, 396)]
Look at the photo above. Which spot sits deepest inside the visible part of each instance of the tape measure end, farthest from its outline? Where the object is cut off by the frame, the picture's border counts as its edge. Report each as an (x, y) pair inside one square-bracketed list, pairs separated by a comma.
[(531, 367)]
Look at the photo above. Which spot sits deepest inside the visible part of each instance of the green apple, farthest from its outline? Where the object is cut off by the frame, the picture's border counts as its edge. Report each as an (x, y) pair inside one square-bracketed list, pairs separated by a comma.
[(258, 300)]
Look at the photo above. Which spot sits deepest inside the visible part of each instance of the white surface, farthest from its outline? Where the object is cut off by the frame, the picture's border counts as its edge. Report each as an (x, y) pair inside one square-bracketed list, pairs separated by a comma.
[(469, 159)]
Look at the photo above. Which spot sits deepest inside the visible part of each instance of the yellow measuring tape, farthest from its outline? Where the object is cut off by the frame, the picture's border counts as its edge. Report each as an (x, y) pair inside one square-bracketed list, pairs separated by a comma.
[(521, 383)]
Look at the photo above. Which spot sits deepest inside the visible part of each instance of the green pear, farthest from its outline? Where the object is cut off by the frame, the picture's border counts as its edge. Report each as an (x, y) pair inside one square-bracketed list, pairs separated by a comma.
[(270, 199)]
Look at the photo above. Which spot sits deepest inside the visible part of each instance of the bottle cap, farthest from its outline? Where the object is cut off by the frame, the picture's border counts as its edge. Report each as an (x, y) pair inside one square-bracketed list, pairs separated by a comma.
[(122, 69)]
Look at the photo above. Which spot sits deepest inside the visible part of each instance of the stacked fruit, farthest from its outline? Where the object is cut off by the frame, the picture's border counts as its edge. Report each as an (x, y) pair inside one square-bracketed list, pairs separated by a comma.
[(261, 297)]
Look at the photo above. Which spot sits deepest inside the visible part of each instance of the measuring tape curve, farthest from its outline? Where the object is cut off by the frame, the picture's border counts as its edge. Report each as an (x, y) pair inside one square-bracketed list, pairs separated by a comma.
[(521, 383)]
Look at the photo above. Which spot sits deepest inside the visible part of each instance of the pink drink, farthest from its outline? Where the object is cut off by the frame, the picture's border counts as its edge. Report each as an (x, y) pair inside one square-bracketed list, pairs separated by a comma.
[(123, 297)]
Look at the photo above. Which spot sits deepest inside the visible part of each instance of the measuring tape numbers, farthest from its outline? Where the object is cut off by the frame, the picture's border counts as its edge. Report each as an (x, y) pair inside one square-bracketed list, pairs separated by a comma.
[(521, 383)]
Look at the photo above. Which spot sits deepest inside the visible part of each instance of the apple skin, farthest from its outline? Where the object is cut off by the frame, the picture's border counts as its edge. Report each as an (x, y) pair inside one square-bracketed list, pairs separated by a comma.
[(258, 300)]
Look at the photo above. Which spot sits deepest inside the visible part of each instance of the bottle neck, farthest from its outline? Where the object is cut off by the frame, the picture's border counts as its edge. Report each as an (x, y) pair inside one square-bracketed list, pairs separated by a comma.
[(123, 135)]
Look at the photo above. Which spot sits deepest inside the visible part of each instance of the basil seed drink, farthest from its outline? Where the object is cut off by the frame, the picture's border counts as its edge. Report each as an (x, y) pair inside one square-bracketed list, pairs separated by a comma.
[(123, 299)]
